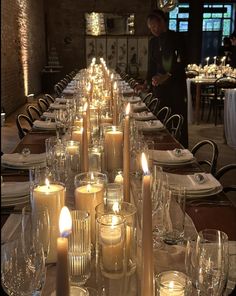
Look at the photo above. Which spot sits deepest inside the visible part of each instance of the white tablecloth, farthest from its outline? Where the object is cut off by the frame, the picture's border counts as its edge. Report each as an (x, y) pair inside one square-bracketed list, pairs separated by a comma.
[(190, 103), (230, 117)]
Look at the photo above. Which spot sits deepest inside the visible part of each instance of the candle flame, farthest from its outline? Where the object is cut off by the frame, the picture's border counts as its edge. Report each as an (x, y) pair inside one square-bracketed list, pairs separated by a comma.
[(92, 176), (112, 76), (207, 59), (88, 87), (171, 285), (115, 207), (114, 128), (114, 220), (144, 163), (115, 85), (93, 60), (89, 187), (85, 107), (47, 183), (65, 222), (127, 110)]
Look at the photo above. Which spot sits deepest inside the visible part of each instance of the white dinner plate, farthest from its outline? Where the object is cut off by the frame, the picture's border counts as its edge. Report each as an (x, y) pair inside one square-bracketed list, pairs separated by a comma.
[(174, 163), (204, 193), (5, 202), (24, 167)]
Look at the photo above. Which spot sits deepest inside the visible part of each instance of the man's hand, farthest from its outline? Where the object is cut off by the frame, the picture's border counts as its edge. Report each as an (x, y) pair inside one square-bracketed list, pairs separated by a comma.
[(140, 87), (160, 79)]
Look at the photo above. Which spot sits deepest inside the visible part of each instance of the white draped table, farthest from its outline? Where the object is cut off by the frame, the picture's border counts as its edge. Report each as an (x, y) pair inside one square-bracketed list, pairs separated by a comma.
[(230, 117)]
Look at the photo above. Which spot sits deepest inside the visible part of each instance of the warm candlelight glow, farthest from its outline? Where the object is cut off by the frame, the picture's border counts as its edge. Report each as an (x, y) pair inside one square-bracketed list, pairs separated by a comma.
[(207, 59), (114, 128), (89, 187), (115, 207), (144, 163), (88, 87), (47, 183), (93, 60), (115, 85), (85, 107), (112, 76), (65, 222), (127, 110)]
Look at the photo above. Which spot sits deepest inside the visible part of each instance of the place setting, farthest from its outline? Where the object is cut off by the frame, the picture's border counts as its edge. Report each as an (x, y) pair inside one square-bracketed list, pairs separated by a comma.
[(143, 116), (149, 126)]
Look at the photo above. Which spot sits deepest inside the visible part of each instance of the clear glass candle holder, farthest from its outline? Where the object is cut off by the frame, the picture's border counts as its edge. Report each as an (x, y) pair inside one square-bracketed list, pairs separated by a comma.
[(73, 156), (111, 246), (129, 212), (89, 192), (171, 283), (45, 192), (96, 158), (79, 248), (114, 193)]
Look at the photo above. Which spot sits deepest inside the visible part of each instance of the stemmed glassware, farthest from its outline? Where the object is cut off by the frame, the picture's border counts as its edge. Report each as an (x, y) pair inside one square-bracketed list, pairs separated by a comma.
[(22, 266), (206, 262)]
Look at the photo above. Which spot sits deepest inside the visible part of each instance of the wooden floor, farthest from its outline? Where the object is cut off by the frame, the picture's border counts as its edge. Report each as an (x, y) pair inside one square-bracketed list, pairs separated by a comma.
[(227, 155)]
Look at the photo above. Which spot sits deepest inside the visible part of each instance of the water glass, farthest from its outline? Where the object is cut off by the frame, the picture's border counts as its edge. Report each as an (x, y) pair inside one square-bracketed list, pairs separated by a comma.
[(79, 244), (96, 158), (174, 214), (212, 261), (22, 266), (72, 150), (49, 145)]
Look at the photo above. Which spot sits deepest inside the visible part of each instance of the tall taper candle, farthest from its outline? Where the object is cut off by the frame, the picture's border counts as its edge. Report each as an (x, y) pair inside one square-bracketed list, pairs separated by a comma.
[(85, 140), (147, 245), (126, 156), (62, 278)]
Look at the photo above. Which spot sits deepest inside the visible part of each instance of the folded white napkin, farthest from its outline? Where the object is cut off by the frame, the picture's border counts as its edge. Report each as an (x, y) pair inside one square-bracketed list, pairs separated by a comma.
[(18, 160), (150, 125), (190, 183), (57, 106), (68, 91), (45, 125), (168, 156), (131, 100), (144, 116), (139, 107), (14, 189), (50, 115), (61, 100)]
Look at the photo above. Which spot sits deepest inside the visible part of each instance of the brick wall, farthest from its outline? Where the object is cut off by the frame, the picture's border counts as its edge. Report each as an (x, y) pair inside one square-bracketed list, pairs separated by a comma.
[(65, 20), (23, 51)]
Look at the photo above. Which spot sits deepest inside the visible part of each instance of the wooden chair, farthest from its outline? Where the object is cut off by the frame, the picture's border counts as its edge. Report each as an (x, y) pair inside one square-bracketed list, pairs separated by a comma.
[(212, 162), (147, 98), (153, 105), (174, 125), (43, 105), (163, 114), (58, 89), (222, 172), (50, 98), (24, 125), (217, 101), (33, 112)]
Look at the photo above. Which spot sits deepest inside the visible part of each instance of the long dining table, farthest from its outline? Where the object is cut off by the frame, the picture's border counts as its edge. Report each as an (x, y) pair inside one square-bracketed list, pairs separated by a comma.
[(201, 212)]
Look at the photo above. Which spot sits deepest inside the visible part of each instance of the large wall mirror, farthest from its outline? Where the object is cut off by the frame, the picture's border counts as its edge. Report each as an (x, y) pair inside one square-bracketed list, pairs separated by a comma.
[(109, 24)]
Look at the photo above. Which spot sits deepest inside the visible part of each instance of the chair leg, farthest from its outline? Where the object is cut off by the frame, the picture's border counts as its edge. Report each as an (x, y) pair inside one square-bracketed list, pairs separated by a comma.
[(203, 107), (209, 112)]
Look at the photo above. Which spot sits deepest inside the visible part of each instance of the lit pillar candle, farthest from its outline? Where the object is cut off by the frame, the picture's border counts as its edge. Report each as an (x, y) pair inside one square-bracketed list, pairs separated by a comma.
[(51, 196), (207, 60), (77, 135), (112, 243), (106, 119), (147, 245), (113, 146), (62, 278), (87, 197), (78, 122), (119, 178), (85, 140), (126, 156), (72, 148)]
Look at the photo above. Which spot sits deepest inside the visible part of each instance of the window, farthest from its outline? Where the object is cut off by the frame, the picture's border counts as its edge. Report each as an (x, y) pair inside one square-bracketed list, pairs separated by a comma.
[(216, 17)]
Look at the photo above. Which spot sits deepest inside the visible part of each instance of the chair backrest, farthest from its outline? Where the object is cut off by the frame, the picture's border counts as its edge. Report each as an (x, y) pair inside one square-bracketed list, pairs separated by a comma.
[(163, 114), (174, 125), (212, 162), (58, 89), (24, 125), (153, 105), (223, 83), (43, 105), (49, 98), (147, 99), (229, 168), (33, 112)]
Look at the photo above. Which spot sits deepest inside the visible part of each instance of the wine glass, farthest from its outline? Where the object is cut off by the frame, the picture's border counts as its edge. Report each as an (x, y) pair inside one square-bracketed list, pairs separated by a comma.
[(22, 266), (211, 262)]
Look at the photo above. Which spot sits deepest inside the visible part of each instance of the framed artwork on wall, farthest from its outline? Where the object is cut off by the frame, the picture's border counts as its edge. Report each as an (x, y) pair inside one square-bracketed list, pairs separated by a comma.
[(111, 52), (142, 55), (122, 53), (90, 50), (101, 48), (133, 56)]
